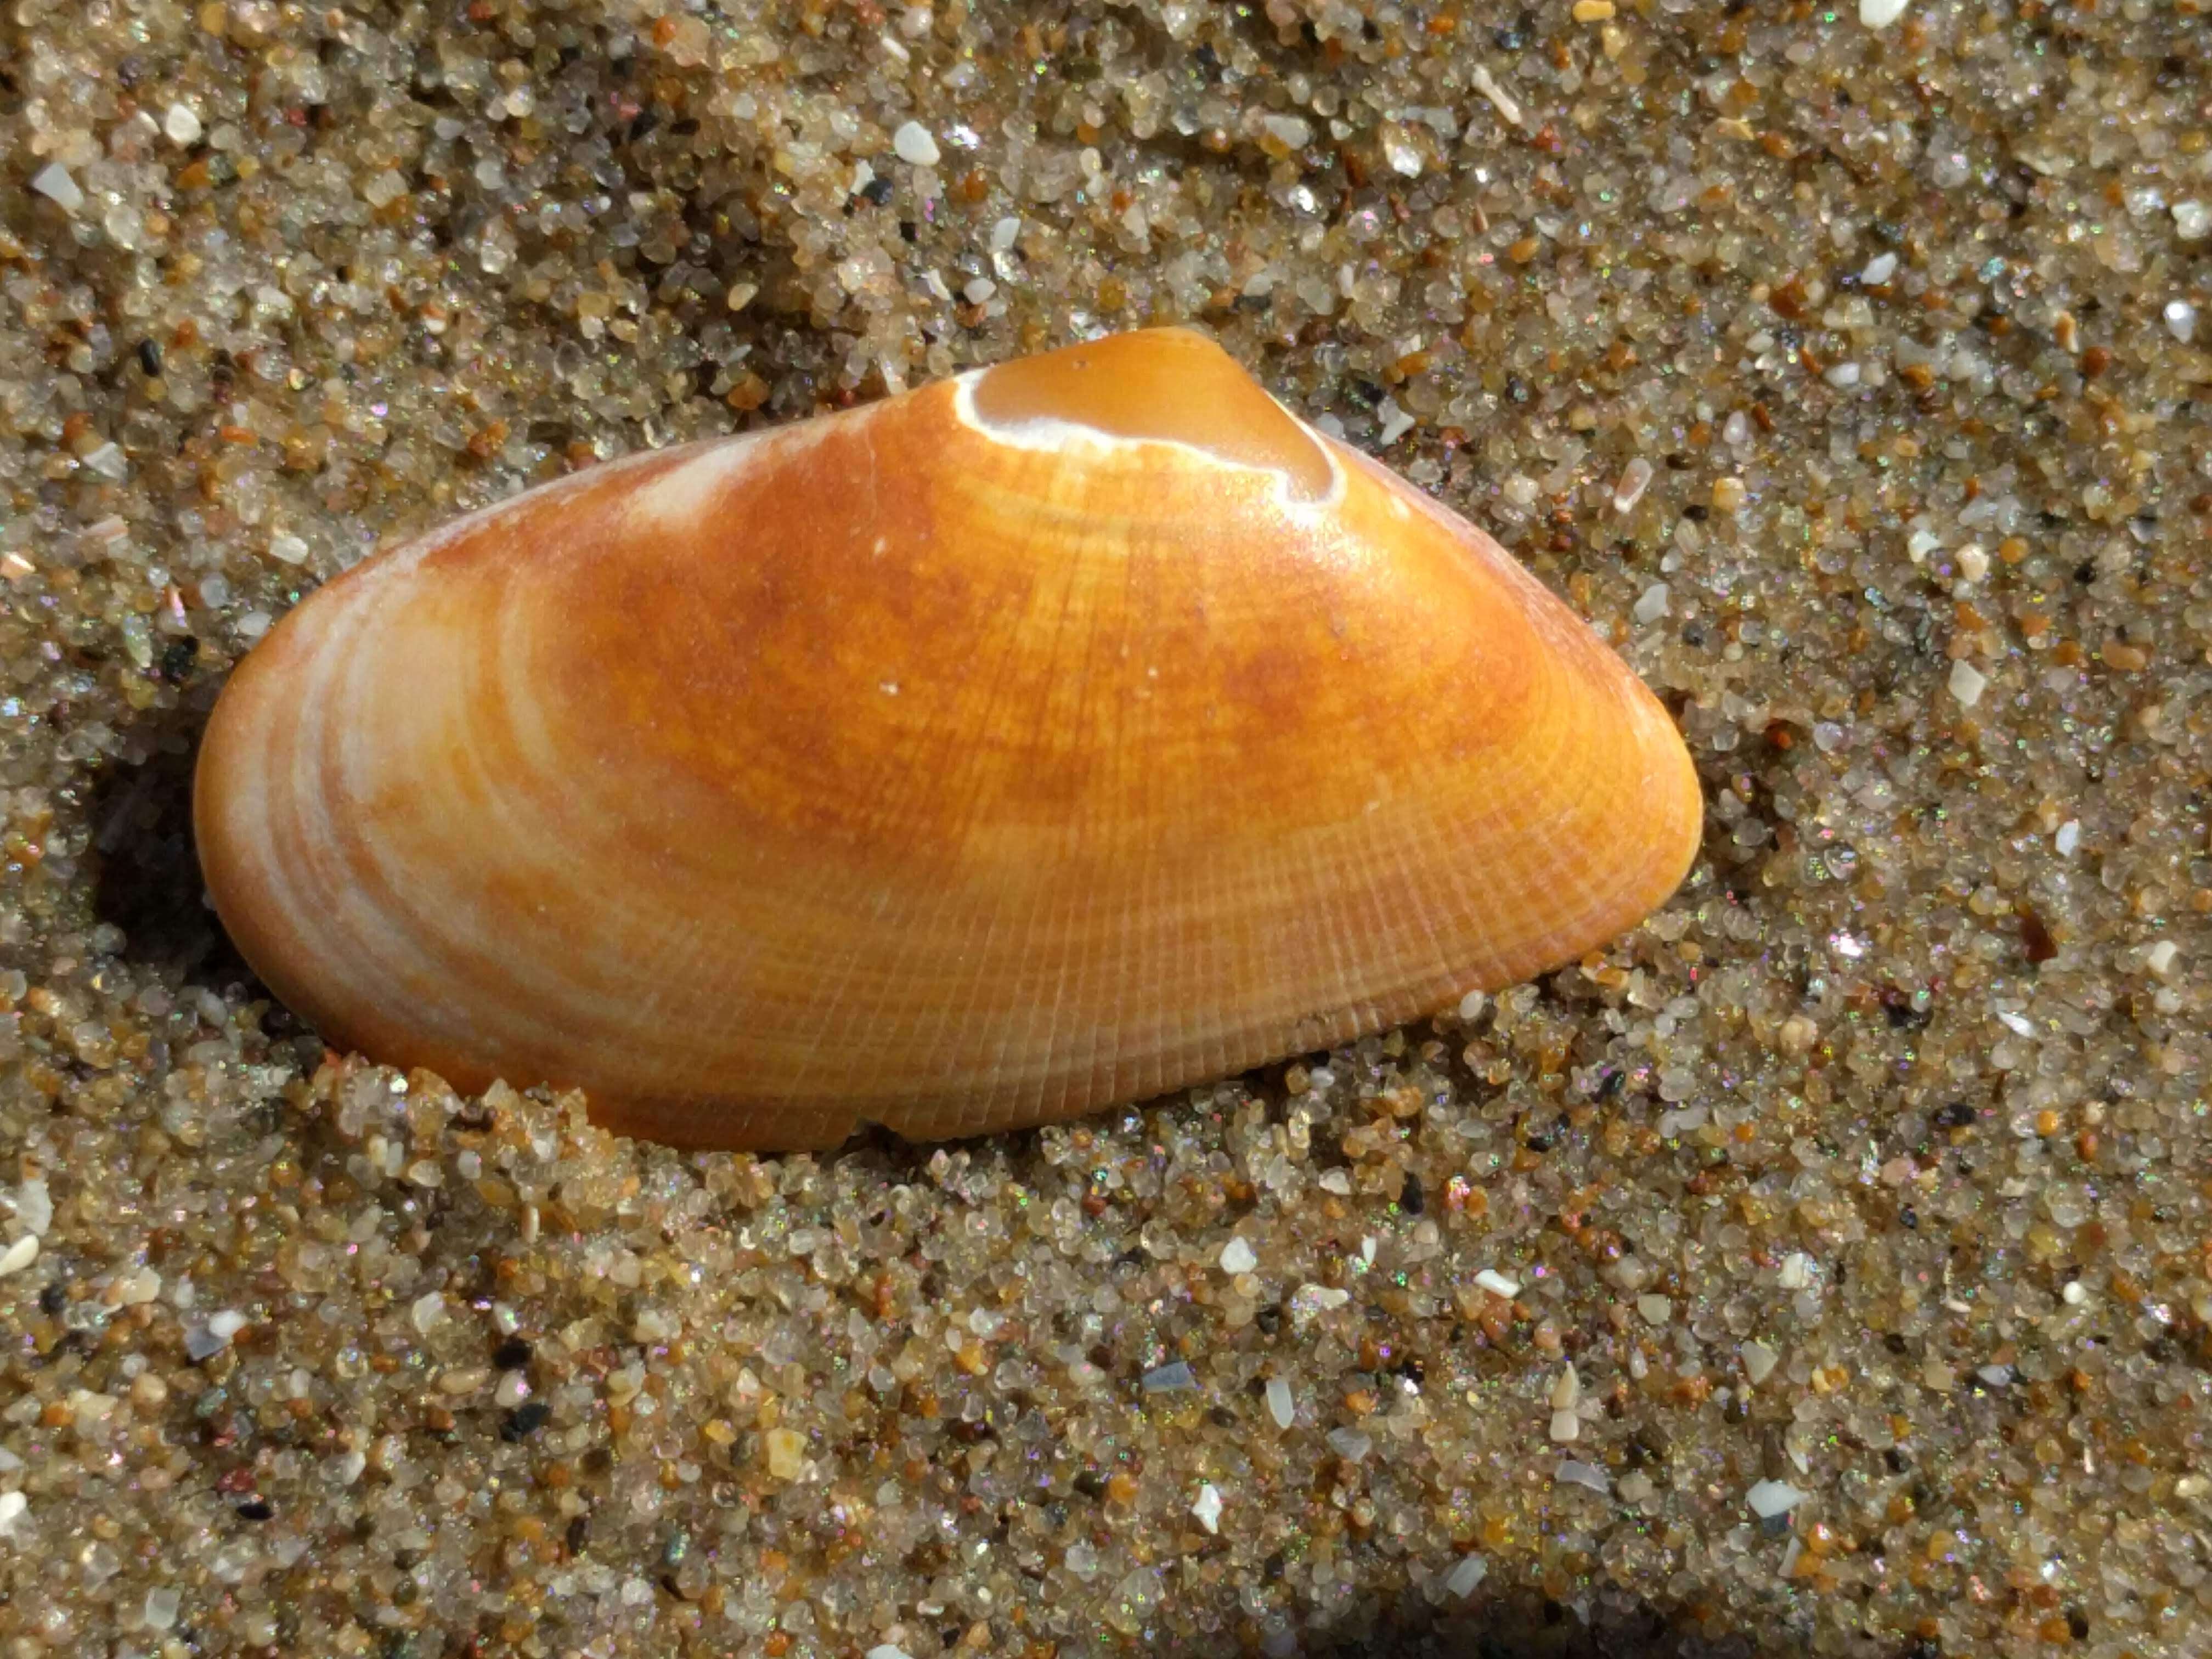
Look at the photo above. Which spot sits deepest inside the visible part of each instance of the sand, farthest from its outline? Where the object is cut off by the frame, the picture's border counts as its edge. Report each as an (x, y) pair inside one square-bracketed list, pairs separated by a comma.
[(1822, 1269)]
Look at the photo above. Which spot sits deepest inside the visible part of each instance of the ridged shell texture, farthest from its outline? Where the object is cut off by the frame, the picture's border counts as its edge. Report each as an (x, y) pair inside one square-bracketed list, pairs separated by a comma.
[(1027, 743)]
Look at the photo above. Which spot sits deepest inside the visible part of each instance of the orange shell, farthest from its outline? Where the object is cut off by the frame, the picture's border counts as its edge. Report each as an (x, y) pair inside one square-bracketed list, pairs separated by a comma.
[(1030, 742)]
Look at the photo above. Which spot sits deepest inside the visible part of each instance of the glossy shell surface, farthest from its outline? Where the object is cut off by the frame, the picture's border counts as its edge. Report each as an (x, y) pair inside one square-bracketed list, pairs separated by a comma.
[(1027, 743)]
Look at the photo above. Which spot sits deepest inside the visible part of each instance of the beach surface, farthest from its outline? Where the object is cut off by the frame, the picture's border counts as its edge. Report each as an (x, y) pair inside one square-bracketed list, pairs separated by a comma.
[(1822, 1269)]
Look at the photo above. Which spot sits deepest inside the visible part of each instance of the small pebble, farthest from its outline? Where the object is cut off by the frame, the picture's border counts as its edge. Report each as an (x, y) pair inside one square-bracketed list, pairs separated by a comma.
[(1350, 1444), (34, 1206), (786, 1453), (1881, 13), (160, 1609), (1574, 1473), (1280, 1405), (1652, 604), (1967, 683), (1207, 1508), (89, 1407), (53, 182), (1508, 110), (1237, 1257), (1634, 480), (1404, 159), (18, 1255), (1308, 1300), (1768, 1498), (1466, 1573), (1758, 1361), (1175, 1378), (914, 142), (180, 124)]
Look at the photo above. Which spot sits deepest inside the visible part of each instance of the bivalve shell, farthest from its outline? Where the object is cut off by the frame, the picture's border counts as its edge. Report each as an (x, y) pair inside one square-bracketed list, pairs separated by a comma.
[(1045, 739)]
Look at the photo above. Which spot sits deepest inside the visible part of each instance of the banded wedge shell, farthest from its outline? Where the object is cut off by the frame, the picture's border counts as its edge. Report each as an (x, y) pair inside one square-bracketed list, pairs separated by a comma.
[(1047, 738)]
